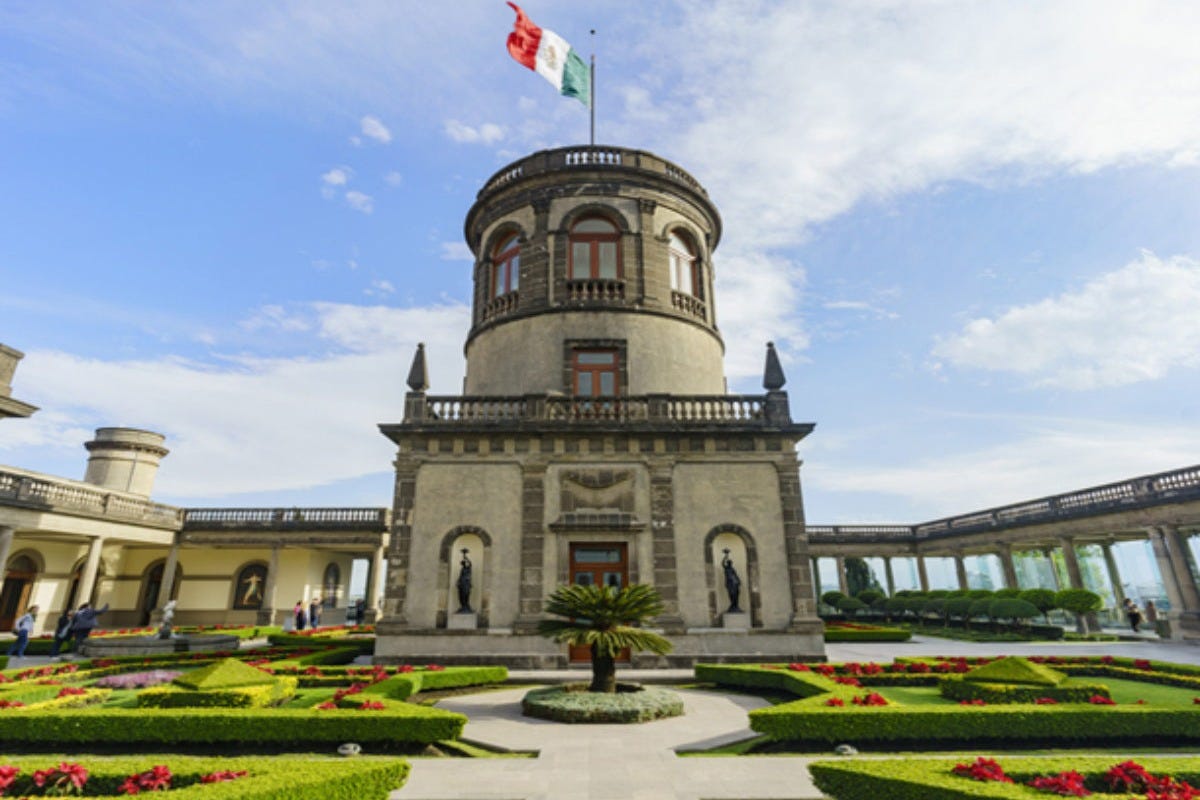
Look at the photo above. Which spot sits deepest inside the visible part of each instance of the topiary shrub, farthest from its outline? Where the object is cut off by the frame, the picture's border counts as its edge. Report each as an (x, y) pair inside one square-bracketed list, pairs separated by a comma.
[(1012, 608), (1014, 669), (1079, 602), (1010, 592), (850, 605), (832, 598), (1042, 599)]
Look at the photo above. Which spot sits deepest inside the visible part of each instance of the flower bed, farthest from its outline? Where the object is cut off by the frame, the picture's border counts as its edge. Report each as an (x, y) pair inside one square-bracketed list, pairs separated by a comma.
[(861, 632), (574, 704), (827, 714), (176, 776), (1010, 778)]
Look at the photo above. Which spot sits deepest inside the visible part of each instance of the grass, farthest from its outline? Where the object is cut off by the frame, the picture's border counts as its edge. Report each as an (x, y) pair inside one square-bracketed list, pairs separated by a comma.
[(1123, 691)]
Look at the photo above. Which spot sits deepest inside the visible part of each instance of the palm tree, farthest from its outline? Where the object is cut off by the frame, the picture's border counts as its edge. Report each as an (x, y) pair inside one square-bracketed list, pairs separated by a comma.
[(604, 619)]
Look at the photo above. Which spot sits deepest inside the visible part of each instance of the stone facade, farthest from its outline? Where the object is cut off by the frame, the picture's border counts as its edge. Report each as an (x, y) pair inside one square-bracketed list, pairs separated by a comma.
[(540, 470)]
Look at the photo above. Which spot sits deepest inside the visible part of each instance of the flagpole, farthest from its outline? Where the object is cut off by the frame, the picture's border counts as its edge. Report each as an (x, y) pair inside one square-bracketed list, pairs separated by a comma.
[(592, 88)]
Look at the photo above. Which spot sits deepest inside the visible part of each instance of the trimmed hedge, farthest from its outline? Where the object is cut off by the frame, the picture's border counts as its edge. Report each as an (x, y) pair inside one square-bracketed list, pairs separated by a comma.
[(1074, 724), (260, 696), (1015, 669), (143, 727), (279, 778), (404, 685), (801, 684), (961, 687), (877, 635), (931, 779)]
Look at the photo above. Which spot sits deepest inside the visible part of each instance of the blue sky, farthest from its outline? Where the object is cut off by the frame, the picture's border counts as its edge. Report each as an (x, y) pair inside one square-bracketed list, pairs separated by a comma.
[(972, 229)]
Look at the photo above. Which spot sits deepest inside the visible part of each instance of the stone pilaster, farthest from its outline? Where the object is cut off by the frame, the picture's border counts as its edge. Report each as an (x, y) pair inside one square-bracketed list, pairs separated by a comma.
[(266, 612), (662, 539), (399, 554), (6, 540), (816, 573), (531, 594), (795, 540), (922, 573), (1048, 552), (168, 577), (1114, 575), (1008, 566), (960, 570), (1181, 565), (888, 576), (91, 568), (372, 611), (1071, 559), (843, 579)]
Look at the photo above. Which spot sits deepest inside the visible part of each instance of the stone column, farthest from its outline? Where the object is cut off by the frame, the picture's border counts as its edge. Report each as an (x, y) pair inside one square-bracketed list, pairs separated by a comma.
[(1048, 552), (816, 573), (960, 569), (1181, 564), (922, 573), (266, 612), (6, 540), (888, 576), (662, 542), (1114, 575), (374, 571), (1009, 567), (399, 551), (843, 581), (91, 567), (533, 542), (1071, 559), (168, 578)]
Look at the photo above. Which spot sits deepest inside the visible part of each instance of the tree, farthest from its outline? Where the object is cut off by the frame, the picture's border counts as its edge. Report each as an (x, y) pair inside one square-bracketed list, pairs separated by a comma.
[(1042, 599), (604, 619), (858, 576), (1012, 608), (832, 598), (1079, 602), (850, 605)]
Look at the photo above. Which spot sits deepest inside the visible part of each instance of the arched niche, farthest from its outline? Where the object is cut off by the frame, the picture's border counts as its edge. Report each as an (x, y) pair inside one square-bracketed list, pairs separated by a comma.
[(149, 599), (16, 588), (744, 555), (478, 545)]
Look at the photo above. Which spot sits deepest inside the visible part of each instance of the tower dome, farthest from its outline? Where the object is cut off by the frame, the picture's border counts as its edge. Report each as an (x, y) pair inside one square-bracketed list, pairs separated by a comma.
[(593, 276)]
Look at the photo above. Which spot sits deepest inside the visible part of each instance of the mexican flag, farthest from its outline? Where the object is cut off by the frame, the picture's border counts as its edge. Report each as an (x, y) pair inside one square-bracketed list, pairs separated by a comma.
[(547, 54)]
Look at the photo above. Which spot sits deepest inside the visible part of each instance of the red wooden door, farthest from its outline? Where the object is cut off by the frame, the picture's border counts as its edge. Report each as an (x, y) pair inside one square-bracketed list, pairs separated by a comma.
[(598, 565)]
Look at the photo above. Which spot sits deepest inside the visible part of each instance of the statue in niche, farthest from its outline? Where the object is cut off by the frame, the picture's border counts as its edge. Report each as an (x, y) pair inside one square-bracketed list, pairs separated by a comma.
[(733, 584), (464, 584)]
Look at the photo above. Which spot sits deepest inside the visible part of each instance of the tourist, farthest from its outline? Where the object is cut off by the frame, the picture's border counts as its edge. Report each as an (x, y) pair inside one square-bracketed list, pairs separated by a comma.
[(23, 628), (298, 613), (360, 611), (85, 620), (1152, 615), (314, 612), (1133, 614), (62, 632)]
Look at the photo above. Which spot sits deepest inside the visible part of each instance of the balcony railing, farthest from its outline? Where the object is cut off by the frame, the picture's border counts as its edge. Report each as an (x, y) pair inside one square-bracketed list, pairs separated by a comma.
[(688, 304), (596, 290), (499, 306), (319, 519), (1150, 490), (589, 158), (763, 411), (75, 498)]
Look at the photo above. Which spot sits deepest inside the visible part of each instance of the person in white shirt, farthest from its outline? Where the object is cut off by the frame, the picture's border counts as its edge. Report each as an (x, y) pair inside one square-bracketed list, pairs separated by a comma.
[(23, 629)]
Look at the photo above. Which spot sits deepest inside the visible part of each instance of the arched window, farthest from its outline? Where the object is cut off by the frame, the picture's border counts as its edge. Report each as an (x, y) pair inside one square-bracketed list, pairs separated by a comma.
[(684, 275), (506, 266), (330, 584), (594, 250)]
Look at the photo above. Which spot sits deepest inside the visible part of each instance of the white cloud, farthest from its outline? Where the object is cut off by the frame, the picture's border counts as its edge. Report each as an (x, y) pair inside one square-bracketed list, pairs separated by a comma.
[(487, 133), (380, 288), (393, 178), (456, 251), (360, 202), (275, 317), (1044, 458), (338, 176), (374, 129), (1133, 324), (861, 306), (232, 424), (758, 295)]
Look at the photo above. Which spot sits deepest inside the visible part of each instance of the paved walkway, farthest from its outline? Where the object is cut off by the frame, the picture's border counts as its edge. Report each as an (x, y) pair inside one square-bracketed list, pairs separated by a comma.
[(608, 762)]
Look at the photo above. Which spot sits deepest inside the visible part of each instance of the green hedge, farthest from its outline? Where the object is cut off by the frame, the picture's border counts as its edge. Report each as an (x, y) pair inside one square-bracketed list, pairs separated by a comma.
[(238, 697), (1075, 724), (956, 687), (406, 684), (364, 644), (574, 704), (278, 778), (931, 779), (879, 635), (187, 726), (801, 684)]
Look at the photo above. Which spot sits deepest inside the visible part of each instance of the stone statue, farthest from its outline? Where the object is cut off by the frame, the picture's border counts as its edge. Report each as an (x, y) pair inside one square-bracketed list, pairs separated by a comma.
[(464, 584), (168, 616), (733, 584)]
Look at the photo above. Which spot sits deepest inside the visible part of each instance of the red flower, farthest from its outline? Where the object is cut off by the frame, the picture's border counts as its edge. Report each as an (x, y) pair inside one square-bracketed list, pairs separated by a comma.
[(371, 705), (1045, 701), (312, 671), (797, 667), (222, 775), (11, 704), (872, 699), (1064, 783), (8, 774), (69, 691), (984, 769), (836, 702), (328, 705), (1142, 663), (919, 667), (848, 681), (1101, 700), (826, 669), (1107, 659), (404, 668), (975, 702)]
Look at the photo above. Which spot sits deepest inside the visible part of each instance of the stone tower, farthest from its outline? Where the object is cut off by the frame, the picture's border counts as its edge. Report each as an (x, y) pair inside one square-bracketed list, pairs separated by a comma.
[(124, 459), (595, 441)]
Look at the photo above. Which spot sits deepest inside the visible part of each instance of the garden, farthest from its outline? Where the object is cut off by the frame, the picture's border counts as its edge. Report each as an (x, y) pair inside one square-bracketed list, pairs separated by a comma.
[(169, 718)]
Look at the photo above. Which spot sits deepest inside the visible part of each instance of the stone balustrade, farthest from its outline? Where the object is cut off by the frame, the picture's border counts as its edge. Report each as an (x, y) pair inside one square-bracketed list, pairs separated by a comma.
[(733, 410), (59, 495), (595, 290), (592, 158), (1151, 490), (314, 519)]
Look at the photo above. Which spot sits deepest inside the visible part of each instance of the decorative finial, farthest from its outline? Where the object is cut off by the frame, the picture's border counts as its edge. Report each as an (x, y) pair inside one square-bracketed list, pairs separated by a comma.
[(773, 377), (418, 376)]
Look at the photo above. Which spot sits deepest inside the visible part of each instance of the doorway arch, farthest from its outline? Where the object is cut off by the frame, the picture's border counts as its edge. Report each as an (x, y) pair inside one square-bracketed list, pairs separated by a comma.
[(152, 580), (19, 579)]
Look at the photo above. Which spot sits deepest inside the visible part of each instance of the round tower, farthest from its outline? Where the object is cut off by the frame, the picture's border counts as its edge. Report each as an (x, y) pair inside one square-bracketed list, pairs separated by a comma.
[(124, 459), (593, 276)]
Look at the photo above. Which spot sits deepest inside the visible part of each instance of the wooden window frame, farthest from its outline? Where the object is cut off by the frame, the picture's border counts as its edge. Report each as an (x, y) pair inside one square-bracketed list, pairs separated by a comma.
[(595, 370), (593, 240), (506, 267), (690, 250)]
